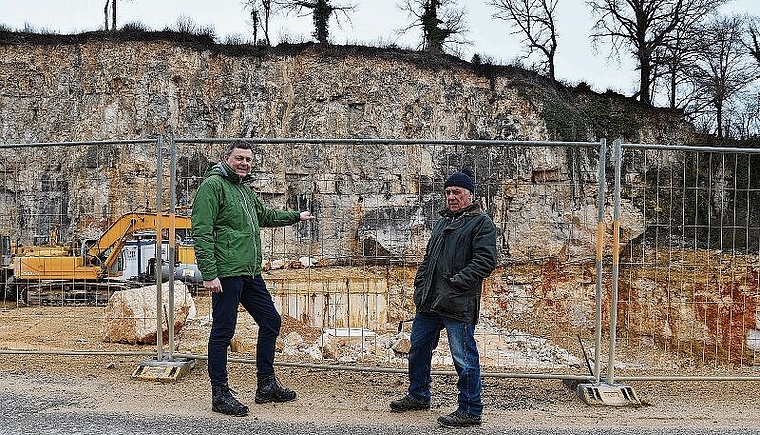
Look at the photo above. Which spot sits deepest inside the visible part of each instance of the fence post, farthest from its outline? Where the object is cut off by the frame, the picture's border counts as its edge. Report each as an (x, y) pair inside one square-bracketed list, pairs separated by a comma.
[(169, 368), (615, 264), (172, 230), (608, 393), (159, 226), (599, 257)]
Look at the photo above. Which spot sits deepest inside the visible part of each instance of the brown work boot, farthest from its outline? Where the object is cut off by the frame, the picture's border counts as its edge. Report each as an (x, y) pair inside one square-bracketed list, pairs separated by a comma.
[(406, 403)]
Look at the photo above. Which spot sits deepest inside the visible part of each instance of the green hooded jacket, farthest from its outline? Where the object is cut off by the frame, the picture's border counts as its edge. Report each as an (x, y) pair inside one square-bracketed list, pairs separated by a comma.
[(226, 221)]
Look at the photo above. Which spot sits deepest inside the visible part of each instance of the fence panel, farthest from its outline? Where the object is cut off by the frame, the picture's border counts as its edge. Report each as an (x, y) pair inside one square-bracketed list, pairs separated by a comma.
[(687, 271), (344, 282), (77, 227), (690, 236)]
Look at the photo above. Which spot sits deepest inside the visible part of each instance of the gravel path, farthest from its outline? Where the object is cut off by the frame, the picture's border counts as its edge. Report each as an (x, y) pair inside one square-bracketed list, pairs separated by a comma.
[(96, 395)]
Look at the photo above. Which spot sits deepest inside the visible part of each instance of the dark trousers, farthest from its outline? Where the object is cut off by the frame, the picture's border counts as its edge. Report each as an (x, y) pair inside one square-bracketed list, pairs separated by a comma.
[(252, 293)]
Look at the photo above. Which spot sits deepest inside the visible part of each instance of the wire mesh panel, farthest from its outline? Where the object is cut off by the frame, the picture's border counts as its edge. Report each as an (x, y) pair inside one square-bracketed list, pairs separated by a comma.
[(689, 258), (538, 308), (344, 282), (78, 244)]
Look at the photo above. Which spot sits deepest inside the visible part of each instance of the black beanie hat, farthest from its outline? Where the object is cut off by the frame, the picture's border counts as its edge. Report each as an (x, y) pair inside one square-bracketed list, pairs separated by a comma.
[(462, 178)]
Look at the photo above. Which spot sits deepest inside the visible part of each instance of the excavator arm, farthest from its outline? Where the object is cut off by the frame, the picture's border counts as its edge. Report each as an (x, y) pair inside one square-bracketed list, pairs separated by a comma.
[(113, 239)]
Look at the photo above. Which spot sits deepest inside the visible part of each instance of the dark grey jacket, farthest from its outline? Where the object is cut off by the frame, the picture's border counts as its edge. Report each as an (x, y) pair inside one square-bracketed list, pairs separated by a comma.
[(461, 253)]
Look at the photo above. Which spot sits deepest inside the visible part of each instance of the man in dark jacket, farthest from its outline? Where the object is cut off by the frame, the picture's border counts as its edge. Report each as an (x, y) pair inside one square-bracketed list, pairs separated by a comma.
[(461, 253), (226, 221)]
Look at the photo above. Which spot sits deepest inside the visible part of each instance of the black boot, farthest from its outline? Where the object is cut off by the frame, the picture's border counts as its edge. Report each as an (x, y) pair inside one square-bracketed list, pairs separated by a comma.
[(223, 401), (270, 390)]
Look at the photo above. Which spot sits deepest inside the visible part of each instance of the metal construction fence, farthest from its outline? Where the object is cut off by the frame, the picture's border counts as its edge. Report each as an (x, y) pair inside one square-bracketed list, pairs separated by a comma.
[(686, 271), (670, 237)]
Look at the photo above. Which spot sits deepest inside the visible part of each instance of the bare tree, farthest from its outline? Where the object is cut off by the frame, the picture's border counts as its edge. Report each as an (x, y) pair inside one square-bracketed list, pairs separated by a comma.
[(321, 11), (534, 19), (725, 69), (645, 27), (674, 64), (748, 118), (261, 13), (441, 21)]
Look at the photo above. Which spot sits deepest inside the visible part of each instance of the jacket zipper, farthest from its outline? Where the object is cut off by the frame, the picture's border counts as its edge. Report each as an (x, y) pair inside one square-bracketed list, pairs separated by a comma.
[(247, 211)]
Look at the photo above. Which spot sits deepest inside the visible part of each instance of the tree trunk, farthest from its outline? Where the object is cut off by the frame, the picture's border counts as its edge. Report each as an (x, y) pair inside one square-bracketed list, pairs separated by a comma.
[(673, 85), (322, 11), (105, 13), (113, 15), (430, 27), (266, 26), (550, 61), (645, 71), (255, 20)]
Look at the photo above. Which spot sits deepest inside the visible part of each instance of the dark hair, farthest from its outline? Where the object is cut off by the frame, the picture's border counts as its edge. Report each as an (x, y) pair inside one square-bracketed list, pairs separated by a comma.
[(243, 145)]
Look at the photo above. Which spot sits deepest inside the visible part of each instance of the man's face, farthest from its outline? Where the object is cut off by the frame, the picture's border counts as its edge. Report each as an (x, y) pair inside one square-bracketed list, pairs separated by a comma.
[(240, 161), (458, 198)]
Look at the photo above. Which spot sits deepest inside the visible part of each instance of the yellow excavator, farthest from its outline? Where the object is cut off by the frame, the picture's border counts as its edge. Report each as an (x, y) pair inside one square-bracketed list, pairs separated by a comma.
[(60, 275)]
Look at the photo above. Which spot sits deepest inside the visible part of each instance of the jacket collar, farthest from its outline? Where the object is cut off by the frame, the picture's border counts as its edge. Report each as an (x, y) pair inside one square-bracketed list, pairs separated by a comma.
[(226, 172), (472, 210)]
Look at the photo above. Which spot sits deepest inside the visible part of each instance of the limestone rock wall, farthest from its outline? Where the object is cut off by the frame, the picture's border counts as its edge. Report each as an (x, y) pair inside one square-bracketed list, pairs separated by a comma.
[(110, 90), (99, 89)]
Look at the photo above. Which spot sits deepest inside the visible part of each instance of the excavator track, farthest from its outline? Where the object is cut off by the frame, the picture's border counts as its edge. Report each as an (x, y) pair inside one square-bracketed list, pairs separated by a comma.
[(67, 293)]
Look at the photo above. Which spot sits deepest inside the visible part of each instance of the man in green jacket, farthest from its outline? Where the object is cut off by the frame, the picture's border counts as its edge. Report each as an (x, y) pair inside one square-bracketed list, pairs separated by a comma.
[(461, 253), (226, 221)]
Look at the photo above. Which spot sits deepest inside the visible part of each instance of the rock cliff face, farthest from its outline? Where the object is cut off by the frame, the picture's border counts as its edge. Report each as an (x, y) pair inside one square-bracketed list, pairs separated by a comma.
[(91, 88), (377, 200), (108, 90), (94, 88), (702, 304)]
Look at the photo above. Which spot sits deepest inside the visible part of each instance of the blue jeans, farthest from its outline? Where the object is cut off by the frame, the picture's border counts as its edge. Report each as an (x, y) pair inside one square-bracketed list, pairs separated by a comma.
[(426, 331), (252, 293)]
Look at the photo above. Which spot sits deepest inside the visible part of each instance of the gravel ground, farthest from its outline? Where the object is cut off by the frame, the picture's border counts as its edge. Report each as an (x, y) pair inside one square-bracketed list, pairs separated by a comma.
[(96, 394), (51, 394)]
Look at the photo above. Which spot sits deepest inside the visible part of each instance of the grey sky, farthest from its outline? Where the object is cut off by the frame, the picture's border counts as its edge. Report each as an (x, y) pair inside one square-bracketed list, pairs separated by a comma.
[(374, 22)]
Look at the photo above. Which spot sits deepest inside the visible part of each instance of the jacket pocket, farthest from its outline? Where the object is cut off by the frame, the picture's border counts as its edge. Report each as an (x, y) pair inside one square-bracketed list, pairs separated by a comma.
[(453, 302)]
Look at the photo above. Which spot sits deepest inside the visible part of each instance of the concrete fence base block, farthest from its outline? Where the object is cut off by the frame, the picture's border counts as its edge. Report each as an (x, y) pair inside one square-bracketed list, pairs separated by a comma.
[(608, 395), (163, 371)]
